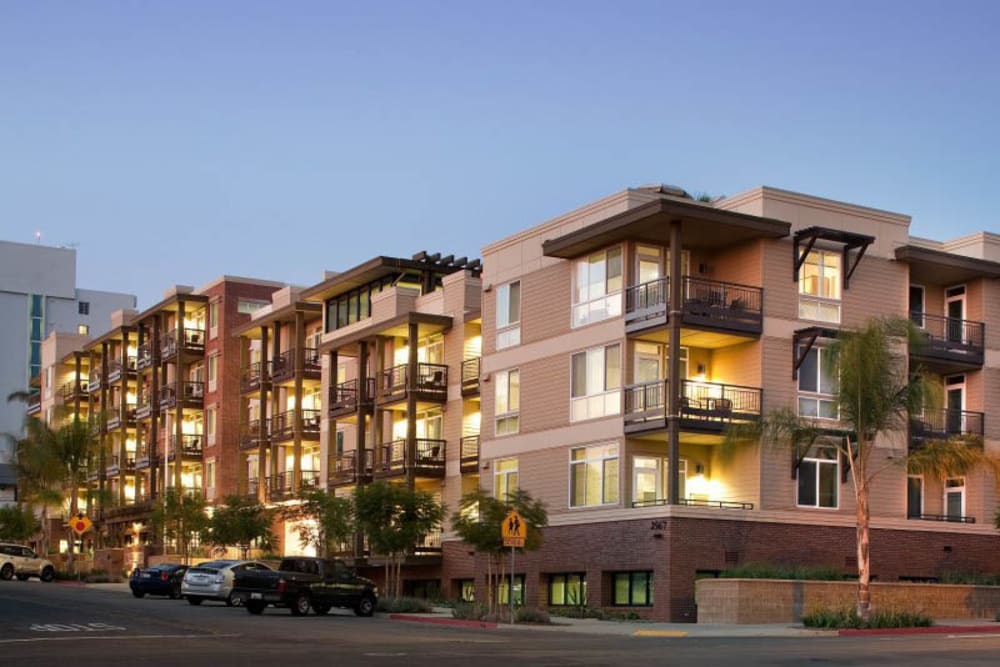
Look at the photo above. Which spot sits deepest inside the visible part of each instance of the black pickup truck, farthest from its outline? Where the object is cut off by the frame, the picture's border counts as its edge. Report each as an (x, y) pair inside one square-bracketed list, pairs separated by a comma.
[(302, 583)]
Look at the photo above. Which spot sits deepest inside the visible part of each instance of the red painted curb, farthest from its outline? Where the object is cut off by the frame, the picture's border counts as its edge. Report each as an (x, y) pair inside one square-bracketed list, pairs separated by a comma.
[(933, 630), (437, 620)]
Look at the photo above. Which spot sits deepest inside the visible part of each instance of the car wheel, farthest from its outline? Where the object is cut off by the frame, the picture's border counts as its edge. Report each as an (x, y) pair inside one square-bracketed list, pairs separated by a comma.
[(23, 577), (175, 592), (234, 600), (365, 606), (321, 609), (138, 594), (7, 572), (48, 574), (300, 607), (255, 607), (194, 601)]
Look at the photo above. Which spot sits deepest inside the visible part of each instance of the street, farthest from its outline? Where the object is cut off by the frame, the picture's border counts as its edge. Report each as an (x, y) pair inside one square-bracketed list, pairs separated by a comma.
[(52, 624)]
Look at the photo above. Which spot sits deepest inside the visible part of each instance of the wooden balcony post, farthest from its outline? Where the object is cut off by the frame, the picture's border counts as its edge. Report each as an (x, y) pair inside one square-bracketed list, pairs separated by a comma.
[(262, 446), (674, 371), (299, 368), (410, 454)]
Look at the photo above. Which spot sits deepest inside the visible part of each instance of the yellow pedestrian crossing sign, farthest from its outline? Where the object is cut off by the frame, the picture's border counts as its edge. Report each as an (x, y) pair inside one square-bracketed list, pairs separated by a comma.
[(80, 524), (513, 530)]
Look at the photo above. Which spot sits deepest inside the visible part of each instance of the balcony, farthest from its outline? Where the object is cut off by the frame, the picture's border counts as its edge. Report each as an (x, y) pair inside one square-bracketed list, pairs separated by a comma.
[(34, 403), (144, 409), (431, 383), (704, 406), (191, 394), (116, 370), (279, 487), (253, 487), (428, 459), (949, 344), (144, 459), (251, 435), (943, 424), (283, 366), (252, 377), (71, 391), (192, 340), (949, 518), (146, 357), (190, 446), (309, 479), (708, 304), (345, 469), (117, 465), (117, 420), (469, 448), (470, 376), (94, 380), (283, 425), (697, 502), (344, 398)]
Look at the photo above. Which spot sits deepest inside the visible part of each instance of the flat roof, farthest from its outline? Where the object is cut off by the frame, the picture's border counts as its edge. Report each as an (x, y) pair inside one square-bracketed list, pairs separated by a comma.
[(938, 266)]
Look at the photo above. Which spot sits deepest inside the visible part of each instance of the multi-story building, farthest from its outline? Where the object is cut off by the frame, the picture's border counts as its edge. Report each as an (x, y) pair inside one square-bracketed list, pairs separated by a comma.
[(38, 289), (621, 339)]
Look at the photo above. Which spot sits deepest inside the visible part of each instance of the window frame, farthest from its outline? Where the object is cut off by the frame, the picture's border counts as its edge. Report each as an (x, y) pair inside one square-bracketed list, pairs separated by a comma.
[(818, 396), (922, 313), (923, 497), (509, 416), (612, 298), (603, 460), (507, 476), (581, 587), (962, 490), (606, 392), (83, 308), (508, 333), (816, 460), (662, 473), (820, 300), (631, 574)]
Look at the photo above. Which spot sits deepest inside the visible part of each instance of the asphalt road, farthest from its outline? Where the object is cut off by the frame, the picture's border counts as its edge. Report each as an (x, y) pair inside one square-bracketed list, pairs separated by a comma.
[(50, 624)]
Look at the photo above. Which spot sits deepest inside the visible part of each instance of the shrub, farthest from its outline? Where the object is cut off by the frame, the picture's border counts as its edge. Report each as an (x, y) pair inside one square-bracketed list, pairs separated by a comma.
[(970, 579), (101, 577), (797, 572), (404, 605), (532, 615), (469, 611), (840, 619)]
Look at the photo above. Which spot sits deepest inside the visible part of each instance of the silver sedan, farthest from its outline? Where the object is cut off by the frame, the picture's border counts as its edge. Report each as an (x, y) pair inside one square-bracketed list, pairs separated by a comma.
[(214, 580)]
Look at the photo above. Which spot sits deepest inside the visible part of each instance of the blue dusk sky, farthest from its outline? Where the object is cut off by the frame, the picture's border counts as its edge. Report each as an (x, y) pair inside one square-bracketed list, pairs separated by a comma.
[(177, 141)]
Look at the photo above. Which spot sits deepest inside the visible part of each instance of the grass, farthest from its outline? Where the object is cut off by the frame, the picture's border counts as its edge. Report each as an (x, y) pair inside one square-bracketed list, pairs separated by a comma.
[(404, 605), (970, 579), (797, 572), (841, 619)]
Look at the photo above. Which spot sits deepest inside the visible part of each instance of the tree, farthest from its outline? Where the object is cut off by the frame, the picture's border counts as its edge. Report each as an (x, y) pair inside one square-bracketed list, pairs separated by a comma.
[(478, 523), (875, 395), (241, 522), (181, 517), (17, 523), (394, 518), (322, 520)]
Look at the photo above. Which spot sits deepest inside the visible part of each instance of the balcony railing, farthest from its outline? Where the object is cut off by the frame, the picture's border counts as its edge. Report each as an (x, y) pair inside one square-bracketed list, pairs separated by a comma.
[(428, 459), (431, 383), (943, 424), (283, 366), (192, 340), (344, 397), (251, 437), (950, 518), (707, 303), (191, 394), (251, 378), (70, 391), (253, 487), (94, 380), (117, 465), (115, 368), (144, 409), (146, 356), (116, 420), (143, 459), (283, 425), (190, 445), (309, 479), (470, 376), (469, 453), (696, 502), (429, 545), (949, 339), (705, 405), (279, 487), (34, 403), (345, 468)]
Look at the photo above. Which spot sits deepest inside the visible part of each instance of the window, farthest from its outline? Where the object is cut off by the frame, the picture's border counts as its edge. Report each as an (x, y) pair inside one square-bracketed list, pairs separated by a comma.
[(567, 590), (213, 371), (211, 416), (651, 479), (466, 590), (356, 305), (818, 473), (632, 589), (37, 329), (213, 319), (954, 497), (596, 383), (504, 592), (914, 497), (83, 308), (509, 314), (593, 476), (210, 475), (49, 379), (508, 402), (340, 443), (83, 329), (249, 306), (819, 286), (917, 305), (504, 478), (598, 286), (817, 385)]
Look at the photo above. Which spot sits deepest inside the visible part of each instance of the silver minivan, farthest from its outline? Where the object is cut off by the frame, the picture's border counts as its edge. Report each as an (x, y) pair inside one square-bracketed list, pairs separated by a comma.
[(214, 580)]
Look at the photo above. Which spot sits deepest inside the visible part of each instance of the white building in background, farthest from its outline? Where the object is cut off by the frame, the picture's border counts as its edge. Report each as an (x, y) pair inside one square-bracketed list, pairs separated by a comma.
[(38, 295)]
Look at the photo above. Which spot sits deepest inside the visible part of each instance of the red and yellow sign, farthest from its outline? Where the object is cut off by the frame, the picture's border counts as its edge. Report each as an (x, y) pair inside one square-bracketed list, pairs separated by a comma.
[(80, 524), (513, 530)]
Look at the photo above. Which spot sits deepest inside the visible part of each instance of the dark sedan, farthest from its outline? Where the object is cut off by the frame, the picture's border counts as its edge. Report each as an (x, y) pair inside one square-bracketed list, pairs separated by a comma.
[(162, 579)]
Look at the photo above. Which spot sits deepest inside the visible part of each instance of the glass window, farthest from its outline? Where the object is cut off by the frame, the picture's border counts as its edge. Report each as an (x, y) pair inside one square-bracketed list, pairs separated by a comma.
[(954, 497), (213, 315), (504, 592), (37, 304), (818, 478), (651, 479), (817, 385), (83, 329), (819, 286), (509, 314), (914, 497), (504, 478), (249, 306), (213, 368), (210, 417), (917, 304), (567, 590), (598, 286), (467, 590), (595, 383), (632, 589), (593, 476), (83, 308), (508, 402)]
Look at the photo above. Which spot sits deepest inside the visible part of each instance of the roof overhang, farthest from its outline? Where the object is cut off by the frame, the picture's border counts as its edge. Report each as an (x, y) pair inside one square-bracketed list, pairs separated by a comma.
[(939, 267), (170, 305), (398, 326), (702, 226), (378, 268), (283, 314)]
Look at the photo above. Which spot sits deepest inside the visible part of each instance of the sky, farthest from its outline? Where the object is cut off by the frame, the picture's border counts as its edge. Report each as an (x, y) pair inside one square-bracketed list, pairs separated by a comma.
[(177, 141)]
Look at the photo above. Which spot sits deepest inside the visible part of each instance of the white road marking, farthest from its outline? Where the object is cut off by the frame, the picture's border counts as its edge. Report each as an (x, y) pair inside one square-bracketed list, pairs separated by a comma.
[(74, 627), (27, 640)]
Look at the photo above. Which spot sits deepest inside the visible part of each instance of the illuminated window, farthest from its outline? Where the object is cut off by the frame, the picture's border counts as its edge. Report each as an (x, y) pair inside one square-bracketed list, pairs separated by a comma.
[(596, 380), (632, 589), (508, 401), (593, 476), (83, 329), (597, 287), (567, 590), (509, 314), (819, 286), (504, 478), (818, 474)]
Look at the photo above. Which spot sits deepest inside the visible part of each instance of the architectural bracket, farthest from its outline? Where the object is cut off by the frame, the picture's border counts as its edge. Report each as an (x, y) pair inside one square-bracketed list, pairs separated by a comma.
[(805, 239), (803, 341)]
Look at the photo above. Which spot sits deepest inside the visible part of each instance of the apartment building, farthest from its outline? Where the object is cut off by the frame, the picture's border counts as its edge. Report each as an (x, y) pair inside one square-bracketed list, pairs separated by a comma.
[(620, 340)]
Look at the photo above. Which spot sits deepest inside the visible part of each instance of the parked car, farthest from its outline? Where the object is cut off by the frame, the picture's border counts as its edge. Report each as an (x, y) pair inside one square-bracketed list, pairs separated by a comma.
[(164, 579), (22, 562), (214, 580), (302, 584)]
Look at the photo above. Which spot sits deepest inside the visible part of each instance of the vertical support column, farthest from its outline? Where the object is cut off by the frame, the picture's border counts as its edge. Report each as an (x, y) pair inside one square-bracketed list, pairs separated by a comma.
[(103, 439), (78, 362), (378, 415), (412, 335), (123, 416), (363, 398), (262, 407), (154, 404), (674, 372), (331, 424), (276, 408), (300, 364), (178, 397), (141, 441)]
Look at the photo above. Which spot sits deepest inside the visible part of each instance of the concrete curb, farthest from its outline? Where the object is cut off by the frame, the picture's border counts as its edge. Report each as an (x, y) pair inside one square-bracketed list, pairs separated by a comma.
[(72, 583), (932, 630), (437, 620)]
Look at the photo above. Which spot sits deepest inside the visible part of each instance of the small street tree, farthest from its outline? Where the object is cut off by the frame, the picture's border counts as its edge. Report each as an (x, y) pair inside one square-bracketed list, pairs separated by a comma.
[(323, 521), (394, 518), (241, 522), (17, 523), (181, 518), (478, 522)]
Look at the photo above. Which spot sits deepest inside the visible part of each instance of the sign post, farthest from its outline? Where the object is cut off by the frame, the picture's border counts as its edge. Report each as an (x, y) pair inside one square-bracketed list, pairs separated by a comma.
[(514, 531)]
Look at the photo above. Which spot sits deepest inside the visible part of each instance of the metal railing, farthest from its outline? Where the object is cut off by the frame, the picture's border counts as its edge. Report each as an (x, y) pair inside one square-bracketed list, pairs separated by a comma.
[(283, 424), (283, 366), (94, 379), (949, 518), (470, 376), (431, 382), (942, 424), (191, 444), (250, 438), (469, 453), (251, 377), (705, 302), (191, 393), (949, 338), (71, 390), (344, 397), (192, 339), (428, 459), (145, 356), (647, 300), (115, 368), (696, 502), (699, 401)]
